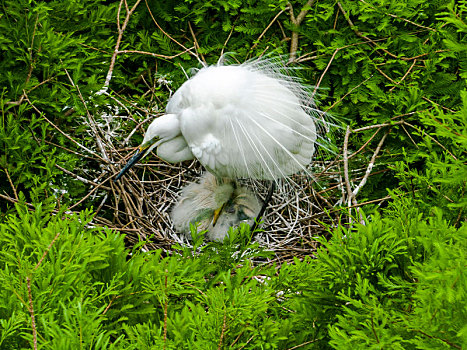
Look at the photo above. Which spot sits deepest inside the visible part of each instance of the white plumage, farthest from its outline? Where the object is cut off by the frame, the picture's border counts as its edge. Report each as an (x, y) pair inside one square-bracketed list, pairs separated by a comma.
[(240, 122)]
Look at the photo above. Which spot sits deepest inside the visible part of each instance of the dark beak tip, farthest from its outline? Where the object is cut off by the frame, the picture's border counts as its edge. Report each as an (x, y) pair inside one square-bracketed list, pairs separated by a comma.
[(136, 157)]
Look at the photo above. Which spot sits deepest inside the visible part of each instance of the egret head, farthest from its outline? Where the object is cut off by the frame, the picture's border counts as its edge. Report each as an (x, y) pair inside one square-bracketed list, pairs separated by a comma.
[(162, 129)]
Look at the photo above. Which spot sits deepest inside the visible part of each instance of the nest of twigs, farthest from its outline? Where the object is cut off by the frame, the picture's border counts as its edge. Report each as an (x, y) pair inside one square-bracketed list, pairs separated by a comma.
[(144, 198), (139, 204)]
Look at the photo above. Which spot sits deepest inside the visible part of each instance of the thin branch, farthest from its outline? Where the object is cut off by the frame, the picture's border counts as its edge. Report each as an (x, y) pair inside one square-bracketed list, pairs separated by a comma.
[(432, 138), (92, 122), (373, 329), (224, 327), (47, 251), (82, 179), (121, 30), (227, 40), (268, 26), (296, 21), (377, 126), (448, 109), (365, 144), (164, 32), (373, 42), (348, 93), (405, 75), (400, 18), (410, 136), (11, 183), (93, 190), (63, 133), (346, 167), (31, 312), (370, 166), (196, 44), (434, 337), (246, 343), (302, 344), (155, 54), (384, 74), (324, 72)]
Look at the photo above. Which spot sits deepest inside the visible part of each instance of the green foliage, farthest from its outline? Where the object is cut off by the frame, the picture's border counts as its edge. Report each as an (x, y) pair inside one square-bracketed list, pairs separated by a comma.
[(441, 183), (85, 292), (398, 281)]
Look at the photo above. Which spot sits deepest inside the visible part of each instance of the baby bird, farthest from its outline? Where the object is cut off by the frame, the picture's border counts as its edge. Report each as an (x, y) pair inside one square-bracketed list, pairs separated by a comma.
[(214, 205)]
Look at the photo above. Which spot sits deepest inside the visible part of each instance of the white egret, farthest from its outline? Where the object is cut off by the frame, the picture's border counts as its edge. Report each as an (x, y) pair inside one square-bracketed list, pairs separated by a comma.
[(251, 120)]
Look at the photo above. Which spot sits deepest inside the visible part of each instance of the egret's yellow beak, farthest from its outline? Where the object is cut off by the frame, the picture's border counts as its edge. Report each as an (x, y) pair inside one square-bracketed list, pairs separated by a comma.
[(140, 153)]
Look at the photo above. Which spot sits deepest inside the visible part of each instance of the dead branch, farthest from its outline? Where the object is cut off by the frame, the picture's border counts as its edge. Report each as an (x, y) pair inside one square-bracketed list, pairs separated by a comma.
[(268, 26), (404, 76), (296, 21), (121, 30), (165, 33), (324, 72), (370, 166), (400, 18), (11, 184), (196, 44)]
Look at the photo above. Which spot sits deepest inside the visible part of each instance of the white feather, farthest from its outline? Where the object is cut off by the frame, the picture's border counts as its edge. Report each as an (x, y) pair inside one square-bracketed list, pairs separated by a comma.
[(245, 121)]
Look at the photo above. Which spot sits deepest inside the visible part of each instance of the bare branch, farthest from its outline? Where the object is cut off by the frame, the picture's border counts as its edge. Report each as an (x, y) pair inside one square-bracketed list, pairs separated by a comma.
[(268, 26), (296, 21), (324, 72), (121, 30), (400, 18), (196, 44), (11, 183), (31, 312), (370, 166)]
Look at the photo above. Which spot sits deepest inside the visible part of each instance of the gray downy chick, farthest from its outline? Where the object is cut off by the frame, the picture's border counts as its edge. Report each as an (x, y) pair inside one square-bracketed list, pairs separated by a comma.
[(199, 201)]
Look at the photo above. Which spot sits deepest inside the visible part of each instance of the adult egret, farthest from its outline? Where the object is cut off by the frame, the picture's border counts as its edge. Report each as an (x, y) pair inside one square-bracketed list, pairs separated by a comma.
[(199, 201), (253, 120)]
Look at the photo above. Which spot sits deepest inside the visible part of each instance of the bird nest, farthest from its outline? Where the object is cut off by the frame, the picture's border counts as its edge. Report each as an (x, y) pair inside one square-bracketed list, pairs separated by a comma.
[(143, 199)]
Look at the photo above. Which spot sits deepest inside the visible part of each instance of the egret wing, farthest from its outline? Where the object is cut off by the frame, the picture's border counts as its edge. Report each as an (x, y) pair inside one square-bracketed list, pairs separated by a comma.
[(240, 122)]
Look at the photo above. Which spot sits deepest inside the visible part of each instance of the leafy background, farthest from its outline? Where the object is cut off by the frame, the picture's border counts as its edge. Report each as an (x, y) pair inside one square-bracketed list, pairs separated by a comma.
[(391, 276)]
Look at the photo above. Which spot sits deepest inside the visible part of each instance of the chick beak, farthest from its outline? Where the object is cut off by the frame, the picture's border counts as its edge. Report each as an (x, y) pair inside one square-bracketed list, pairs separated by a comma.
[(217, 213), (136, 157)]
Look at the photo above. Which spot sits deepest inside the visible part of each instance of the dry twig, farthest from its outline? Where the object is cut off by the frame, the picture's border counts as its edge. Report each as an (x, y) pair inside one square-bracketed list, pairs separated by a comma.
[(121, 30)]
